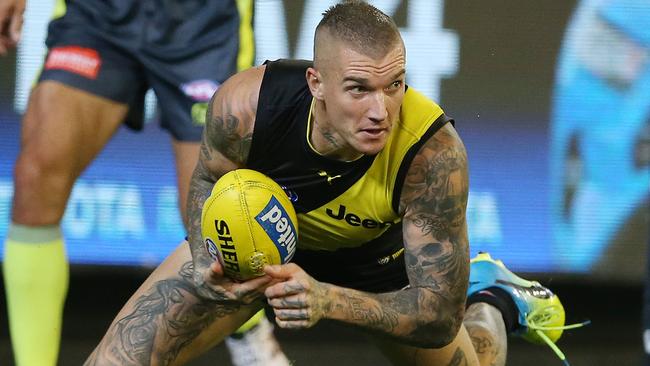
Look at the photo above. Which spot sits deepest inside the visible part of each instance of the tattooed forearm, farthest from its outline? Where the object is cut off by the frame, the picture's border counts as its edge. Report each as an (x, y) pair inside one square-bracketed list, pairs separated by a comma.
[(169, 315), (408, 316), (370, 313)]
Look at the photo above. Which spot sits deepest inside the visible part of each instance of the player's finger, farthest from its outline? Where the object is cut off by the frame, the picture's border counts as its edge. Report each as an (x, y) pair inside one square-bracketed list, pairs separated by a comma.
[(257, 283), (292, 314), (16, 27), (276, 271), (215, 279), (284, 289), (4, 13), (282, 271), (216, 271), (292, 324), (289, 302), (251, 290)]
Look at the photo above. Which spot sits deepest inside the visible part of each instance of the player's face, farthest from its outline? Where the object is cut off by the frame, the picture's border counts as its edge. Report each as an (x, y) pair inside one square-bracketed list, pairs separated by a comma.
[(362, 97)]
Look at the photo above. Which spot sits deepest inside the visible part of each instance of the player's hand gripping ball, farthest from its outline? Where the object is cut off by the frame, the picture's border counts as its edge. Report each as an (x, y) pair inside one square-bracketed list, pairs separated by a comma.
[(248, 221)]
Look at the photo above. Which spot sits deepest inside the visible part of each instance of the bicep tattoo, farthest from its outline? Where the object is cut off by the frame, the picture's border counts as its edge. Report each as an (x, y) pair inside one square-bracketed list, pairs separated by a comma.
[(229, 121), (224, 134)]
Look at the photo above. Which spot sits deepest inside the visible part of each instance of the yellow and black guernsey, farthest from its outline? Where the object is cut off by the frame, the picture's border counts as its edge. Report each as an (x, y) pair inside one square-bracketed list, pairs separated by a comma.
[(347, 211)]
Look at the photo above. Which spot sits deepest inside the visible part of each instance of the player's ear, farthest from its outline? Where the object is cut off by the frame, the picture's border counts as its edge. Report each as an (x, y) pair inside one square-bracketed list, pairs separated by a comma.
[(315, 82)]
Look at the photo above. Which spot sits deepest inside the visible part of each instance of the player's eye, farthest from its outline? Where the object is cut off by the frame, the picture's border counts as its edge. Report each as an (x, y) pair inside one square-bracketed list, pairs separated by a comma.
[(395, 85), (357, 89)]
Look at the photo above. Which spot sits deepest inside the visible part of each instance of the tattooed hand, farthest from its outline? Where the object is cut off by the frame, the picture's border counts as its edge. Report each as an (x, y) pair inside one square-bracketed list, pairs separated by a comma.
[(214, 285), (299, 301)]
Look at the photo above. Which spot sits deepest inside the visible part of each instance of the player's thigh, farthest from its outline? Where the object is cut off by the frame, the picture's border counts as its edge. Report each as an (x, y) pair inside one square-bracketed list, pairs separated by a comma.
[(63, 130), (83, 94), (66, 126), (458, 352), (166, 319)]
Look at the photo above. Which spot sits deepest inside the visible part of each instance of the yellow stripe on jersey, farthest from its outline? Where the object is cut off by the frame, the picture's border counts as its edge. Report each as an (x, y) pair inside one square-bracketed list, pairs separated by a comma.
[(246, 39), (364, 211)]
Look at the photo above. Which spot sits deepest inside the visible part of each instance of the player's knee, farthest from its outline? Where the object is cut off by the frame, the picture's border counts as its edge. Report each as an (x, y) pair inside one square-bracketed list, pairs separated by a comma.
[(41, 188), (38, 172)]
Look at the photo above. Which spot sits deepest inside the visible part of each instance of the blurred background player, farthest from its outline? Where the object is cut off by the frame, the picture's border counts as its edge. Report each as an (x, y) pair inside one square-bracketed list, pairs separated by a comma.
[(102, 58)]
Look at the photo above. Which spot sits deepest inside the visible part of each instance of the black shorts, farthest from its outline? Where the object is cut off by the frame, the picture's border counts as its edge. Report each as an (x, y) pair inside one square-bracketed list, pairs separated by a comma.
[(377, 266), (182, 49)]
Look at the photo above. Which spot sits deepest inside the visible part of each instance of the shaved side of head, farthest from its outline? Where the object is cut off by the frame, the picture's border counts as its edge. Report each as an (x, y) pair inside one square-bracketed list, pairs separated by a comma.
[(358, 25)]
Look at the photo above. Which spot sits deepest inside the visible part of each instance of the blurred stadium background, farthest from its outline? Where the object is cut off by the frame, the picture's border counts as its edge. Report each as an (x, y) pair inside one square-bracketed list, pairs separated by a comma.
[(552, 100)]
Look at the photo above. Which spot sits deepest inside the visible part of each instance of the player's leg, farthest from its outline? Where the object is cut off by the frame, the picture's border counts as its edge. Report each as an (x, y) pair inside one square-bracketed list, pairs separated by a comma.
[(166, 322), (501, 303), (481, 341), (81, 99), (186, 155), (63, 130), (487, 331), (458, 352)]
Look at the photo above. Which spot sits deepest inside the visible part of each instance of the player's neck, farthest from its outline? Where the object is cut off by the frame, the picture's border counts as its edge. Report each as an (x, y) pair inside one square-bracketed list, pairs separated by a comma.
[(324, 139)]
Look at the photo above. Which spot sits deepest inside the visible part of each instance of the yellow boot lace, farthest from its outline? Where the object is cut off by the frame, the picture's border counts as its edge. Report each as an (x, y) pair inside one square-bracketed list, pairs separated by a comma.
[(538, 321)]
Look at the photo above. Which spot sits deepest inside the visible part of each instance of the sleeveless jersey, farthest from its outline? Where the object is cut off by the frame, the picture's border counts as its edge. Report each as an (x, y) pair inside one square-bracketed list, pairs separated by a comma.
[(339, 204)]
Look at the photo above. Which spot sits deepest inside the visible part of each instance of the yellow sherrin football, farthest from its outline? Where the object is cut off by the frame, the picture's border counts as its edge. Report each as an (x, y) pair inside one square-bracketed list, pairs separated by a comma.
[(248, 221)]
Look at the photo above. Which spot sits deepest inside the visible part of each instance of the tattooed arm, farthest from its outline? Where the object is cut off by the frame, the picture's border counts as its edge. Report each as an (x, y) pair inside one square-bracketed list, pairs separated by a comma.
[(225, 146), (434, 202), (186, 304), (428, 313)]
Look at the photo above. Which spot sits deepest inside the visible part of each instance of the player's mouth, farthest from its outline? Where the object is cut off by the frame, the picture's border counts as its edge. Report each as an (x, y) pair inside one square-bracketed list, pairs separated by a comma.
[(373, 133)]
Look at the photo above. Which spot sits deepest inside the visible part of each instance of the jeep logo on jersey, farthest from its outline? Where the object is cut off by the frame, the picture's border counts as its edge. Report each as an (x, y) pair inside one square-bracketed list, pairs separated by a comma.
[(200, 90), (278, 226), (356, 220)]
